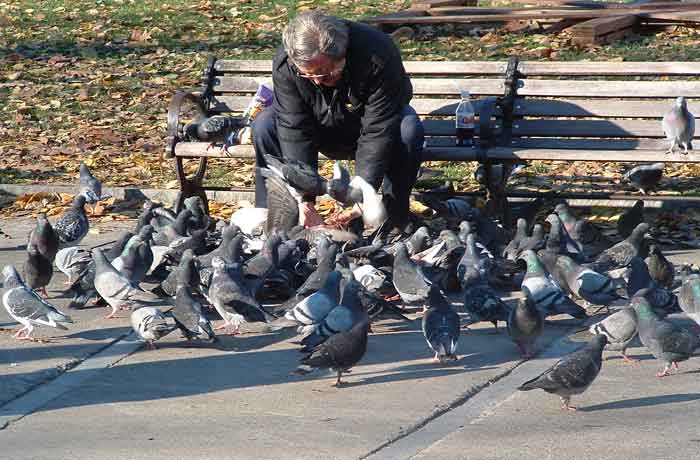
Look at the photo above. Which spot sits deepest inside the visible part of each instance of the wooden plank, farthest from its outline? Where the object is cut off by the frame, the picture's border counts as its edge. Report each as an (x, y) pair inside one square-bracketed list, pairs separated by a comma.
[(629, 7), (602, 26), (477, 86), (471, 18), (487, 68), (592, 107), (689, 18), (565, 128), (570, 143), (198, 149), (427, 4)]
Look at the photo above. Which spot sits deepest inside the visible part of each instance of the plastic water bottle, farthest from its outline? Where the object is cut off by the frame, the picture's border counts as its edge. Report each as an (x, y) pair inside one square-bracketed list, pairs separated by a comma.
[(464, 120)]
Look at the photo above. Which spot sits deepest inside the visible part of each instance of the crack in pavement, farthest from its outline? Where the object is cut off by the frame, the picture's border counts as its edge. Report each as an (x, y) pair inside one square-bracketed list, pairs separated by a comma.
[(474, 403)]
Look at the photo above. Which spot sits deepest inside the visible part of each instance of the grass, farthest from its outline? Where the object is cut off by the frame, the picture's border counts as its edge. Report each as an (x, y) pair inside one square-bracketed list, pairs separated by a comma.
[(83, 80)]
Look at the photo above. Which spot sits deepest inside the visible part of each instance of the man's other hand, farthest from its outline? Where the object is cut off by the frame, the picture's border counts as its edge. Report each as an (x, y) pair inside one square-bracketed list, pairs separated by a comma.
[(308, 216), (345, 217)]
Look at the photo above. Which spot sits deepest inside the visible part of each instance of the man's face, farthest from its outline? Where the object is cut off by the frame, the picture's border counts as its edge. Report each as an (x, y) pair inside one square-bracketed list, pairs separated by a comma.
[(322, 70)]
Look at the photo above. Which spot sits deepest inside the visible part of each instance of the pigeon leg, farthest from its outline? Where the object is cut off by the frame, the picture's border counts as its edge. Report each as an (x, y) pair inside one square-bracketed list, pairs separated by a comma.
[(111, 315), (43, 292), (665, 371), (565, 404), (19, 332), (627, 359), (221, 326), (675, 365), (685, 148), (151, 345), (337, 381)]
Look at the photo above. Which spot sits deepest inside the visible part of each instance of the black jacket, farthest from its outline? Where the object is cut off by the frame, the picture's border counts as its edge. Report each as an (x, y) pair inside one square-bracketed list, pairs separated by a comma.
[(372, 93)]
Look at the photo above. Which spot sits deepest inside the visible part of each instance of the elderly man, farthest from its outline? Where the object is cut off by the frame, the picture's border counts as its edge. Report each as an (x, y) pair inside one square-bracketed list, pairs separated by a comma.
[(341, 89)]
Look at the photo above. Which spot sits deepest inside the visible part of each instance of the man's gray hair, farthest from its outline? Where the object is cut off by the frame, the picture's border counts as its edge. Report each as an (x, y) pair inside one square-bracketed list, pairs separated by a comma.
[(312, 33)]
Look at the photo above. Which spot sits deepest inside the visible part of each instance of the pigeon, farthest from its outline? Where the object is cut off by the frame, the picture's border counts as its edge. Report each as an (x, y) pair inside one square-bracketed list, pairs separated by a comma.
[(174, 230), (45, 238), (311, 310), (302, 178), (409, 280), (546, 293), (72, 262), (317, 279), (689, 297), (339, 319), (661, 300), (621, 254), (573, 374), (679, 126), (441, 326), (187, 267), (667, 342), (90, 187), (511, 250), (227, 235), (418, 242), (258, 268), (231, 297), (72, 226), (26, 307), (215, 129), (534, 242), (116, 289), (559, 241), (589, 285), (199, 220), (374, 212), (38, 270), (482, 304), (131, 264), (586, 234), (629, 219), (340, 352), (150, 325), (188, 311), (661, 269), (645, 177), (620, 328), (525, 326)]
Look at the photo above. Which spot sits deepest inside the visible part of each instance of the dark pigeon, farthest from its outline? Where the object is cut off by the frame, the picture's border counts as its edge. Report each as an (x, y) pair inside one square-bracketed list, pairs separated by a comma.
[(661, 269), (630, 219), (573, 374), (38, 270), (441, 326), (188, 311), (72, 226), (661, 299), (217, 129), (482, 304), (45, 238), (645, 177), (621, 254)]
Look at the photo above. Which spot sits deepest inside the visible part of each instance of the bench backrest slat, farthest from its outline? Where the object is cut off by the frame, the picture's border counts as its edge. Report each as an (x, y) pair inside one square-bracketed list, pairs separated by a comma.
[(496, 68)]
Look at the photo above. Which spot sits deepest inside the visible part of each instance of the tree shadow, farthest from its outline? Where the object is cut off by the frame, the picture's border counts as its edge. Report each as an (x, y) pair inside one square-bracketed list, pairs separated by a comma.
[(643, 402)]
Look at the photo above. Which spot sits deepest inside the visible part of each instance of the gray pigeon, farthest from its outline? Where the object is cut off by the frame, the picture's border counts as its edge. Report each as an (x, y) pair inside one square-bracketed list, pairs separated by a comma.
[(408, 278), (661, 269), (116, 289), (630, 218), (621, 254), (341, 318), (689, 297), (441, 326), (645, 177), (188, 311), (26, 307), (511, 250), (72, 261), (546, 293), (90, 187), (44, 237), (667, 342), (340, 352), (150, 325), (525, 326), (559, 241), (573, 374), (620, 328), (534, 242), (310, 311), (231, 297), (38, 270), (585, 233), (72, 226), (679, 126), (587, 284)]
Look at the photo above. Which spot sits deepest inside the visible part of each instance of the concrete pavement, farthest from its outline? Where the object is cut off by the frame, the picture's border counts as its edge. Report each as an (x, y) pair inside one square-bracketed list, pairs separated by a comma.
[(240, 398)]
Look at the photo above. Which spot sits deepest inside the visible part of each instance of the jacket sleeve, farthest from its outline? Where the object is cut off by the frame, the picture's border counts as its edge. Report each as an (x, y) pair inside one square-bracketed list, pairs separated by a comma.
[(295, 122), (381, 124)]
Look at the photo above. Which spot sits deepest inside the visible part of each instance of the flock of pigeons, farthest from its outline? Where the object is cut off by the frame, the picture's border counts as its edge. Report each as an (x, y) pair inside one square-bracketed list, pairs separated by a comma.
[(331, 284)]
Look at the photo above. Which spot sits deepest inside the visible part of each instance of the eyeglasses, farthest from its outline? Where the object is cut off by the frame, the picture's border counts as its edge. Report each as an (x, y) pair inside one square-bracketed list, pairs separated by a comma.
[(334, 73)]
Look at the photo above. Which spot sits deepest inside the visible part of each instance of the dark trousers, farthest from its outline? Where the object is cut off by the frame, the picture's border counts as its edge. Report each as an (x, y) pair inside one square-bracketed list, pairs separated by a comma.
[(340, 144)]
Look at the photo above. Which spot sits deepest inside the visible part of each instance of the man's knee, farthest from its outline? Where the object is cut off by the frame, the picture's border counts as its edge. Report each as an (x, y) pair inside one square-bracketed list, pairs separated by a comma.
[(264, 132), (412, 132)]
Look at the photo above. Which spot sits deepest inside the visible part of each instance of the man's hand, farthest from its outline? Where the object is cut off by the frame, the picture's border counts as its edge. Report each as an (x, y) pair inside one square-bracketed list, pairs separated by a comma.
[(345, 217), (308, 217)]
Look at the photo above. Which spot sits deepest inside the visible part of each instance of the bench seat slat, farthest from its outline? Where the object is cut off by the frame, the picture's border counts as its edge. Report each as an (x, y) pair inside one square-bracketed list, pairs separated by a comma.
[(529, 68)]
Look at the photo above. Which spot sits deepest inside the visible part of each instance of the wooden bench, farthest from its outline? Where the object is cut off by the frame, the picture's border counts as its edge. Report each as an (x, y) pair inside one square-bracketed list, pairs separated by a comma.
[(530, 110)]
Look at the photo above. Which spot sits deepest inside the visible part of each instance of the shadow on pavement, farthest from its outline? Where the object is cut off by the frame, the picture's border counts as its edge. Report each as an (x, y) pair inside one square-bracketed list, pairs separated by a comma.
[(643, 402)]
